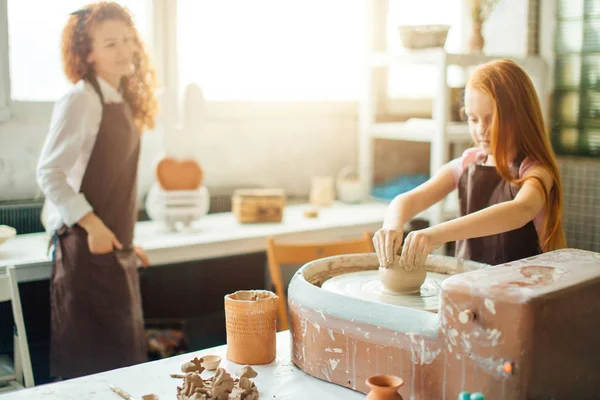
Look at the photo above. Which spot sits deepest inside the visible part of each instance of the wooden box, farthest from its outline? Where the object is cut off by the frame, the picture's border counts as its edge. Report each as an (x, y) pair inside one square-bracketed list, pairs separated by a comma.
[(258, 205)]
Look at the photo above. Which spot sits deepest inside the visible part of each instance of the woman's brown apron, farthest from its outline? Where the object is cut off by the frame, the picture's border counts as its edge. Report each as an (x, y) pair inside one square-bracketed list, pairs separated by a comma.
[(96, 312), (481, 186)]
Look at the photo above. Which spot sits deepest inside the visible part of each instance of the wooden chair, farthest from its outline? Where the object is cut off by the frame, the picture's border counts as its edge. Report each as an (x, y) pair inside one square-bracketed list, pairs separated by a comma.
[(14, 374), (279, 254)]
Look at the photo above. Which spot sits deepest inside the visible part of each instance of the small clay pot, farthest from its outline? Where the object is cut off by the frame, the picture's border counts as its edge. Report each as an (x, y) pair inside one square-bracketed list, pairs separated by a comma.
[(396, 279), (384, 387), (211, 362), (251, 322)]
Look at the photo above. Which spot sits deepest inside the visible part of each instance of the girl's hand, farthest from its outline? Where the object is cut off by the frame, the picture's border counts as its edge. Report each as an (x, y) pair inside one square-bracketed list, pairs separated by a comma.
[(101, 240), (387, 243), (142, 256), (417, 246)]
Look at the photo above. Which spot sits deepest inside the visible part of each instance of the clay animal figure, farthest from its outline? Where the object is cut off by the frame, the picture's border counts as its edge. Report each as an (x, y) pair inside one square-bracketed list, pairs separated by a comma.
[(247, 387), (193, 366), (219, 387), (193, 388), (222, 385)]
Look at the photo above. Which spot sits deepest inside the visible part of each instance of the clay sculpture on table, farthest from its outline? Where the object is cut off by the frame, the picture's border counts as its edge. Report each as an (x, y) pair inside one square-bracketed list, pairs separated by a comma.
[(193, 366), (249, 389), (219, 387), (193, 388), (222, 385)]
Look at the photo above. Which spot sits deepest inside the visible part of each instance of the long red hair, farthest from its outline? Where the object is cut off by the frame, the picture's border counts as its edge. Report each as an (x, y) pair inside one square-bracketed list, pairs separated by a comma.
[(517, 132), (138, 88)]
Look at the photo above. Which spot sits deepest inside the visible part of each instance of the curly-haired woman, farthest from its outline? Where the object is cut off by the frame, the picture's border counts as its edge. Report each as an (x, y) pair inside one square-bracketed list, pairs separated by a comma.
[(88, 173)]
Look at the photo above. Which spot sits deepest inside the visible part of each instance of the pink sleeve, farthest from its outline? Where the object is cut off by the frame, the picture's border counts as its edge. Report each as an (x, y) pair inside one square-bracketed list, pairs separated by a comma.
[(526, 165), (458, 165), (538, 221)]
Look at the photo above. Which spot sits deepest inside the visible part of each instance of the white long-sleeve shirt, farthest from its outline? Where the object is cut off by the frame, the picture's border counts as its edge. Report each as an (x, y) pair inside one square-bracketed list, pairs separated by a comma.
[(73, 129)]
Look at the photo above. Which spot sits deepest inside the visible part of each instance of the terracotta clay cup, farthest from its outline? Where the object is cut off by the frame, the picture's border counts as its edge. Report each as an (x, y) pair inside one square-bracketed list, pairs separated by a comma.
[(384, 387), (251, 322)]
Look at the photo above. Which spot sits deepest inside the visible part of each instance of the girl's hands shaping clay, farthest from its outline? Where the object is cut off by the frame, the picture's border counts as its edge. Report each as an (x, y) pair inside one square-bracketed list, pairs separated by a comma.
[(417, 246), (387, 243)]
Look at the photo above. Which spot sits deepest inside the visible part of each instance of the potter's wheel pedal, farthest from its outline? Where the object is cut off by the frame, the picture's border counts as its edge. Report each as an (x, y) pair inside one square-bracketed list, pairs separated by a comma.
[(366, 285)]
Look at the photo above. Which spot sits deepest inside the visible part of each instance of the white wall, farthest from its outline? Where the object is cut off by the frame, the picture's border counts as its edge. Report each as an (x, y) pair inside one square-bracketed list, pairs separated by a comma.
[(506, 30), (269, 145)]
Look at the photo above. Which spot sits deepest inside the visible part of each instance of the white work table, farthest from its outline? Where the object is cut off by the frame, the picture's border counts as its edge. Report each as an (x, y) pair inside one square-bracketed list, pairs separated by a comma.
[(280, 380), (213, 236)]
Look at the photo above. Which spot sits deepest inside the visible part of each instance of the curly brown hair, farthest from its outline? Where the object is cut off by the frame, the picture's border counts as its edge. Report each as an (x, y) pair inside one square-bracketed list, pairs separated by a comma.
[(138, 88)]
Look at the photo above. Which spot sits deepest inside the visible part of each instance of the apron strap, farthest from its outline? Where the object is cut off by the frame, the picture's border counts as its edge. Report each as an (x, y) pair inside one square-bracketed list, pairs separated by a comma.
[(94, 82)]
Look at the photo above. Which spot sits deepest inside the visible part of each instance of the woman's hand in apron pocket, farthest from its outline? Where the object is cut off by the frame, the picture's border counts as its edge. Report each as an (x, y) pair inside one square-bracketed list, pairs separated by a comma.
[(142, 256), (101, 240), (417, 246)]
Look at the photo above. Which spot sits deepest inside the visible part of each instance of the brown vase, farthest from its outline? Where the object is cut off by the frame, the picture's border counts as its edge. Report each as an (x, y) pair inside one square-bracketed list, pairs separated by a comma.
[(477, 41), (384, 387), (251, 324)]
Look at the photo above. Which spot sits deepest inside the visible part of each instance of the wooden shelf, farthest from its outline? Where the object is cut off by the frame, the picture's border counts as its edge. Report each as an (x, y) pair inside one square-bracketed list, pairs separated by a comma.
[(420, 130), (439, 55)]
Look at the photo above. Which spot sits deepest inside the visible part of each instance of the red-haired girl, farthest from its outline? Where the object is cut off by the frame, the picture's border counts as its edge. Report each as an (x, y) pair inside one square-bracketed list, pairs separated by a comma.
[(509, 188)]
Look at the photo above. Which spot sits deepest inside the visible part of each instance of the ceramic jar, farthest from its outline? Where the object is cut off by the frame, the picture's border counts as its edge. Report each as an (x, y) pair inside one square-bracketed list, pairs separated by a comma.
[(384, 387), (251, 323)]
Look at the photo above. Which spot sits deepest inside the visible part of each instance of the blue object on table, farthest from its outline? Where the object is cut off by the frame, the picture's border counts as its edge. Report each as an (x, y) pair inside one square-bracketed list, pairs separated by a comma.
[(464, 396), (390, 189), (477, 396)]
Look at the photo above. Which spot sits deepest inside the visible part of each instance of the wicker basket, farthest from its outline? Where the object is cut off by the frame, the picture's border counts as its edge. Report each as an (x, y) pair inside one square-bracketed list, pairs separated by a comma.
[(423, 36), (251, 320), (258, 205)]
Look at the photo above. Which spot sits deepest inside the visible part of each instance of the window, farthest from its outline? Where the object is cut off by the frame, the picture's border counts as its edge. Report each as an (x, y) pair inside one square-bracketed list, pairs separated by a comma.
[(4, 77), (271, 49), (34, 29), (294, 49), (576, 111)]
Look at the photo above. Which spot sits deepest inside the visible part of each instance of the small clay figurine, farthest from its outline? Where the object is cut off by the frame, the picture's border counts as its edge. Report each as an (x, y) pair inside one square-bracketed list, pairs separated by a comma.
[(222, 385), (248, 390), (193, 388), (246, 372), (193, 366), (219, 387)]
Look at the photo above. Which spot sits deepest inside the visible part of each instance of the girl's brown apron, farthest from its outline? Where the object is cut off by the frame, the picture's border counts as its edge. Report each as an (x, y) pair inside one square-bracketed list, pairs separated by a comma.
[(96, 313), (481, 186)]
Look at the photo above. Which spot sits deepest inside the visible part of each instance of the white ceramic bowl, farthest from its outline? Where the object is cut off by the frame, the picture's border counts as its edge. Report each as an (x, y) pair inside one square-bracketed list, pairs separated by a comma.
[(6, 232)]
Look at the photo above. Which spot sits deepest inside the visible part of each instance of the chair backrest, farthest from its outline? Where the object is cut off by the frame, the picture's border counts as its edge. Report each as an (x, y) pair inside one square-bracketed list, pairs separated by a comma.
[(301, 253), (5, 288), (9, 291), (279, 254)]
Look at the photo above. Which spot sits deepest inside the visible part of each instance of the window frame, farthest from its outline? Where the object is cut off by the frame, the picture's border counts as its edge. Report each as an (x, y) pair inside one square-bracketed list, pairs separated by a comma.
[(4, 63), (27, 111)]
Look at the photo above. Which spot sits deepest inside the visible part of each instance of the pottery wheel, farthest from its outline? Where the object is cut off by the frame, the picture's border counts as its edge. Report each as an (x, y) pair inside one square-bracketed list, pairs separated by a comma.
[(366, 285)]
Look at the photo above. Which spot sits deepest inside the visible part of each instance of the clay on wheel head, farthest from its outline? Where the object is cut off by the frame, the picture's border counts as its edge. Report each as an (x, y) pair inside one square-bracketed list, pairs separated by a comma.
[(398, 280)]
